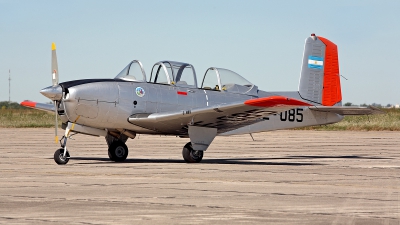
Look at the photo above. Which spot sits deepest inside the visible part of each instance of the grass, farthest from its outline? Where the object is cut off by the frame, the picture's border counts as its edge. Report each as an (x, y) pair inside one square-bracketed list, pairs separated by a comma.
[(381, 122), (23, 117)]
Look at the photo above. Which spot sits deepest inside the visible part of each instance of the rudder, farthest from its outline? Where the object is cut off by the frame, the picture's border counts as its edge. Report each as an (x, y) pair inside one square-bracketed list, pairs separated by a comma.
[(319, 79)]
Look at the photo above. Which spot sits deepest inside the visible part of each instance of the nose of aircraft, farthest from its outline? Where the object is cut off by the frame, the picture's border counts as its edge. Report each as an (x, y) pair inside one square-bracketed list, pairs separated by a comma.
[(52, 92)]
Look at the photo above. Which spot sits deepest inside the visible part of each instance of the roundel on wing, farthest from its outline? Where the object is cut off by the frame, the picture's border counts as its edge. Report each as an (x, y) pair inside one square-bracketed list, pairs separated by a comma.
[(140, 92)]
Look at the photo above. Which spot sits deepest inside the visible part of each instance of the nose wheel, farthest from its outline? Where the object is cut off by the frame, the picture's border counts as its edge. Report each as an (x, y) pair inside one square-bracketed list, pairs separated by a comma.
[(60, 158), (190, 155)]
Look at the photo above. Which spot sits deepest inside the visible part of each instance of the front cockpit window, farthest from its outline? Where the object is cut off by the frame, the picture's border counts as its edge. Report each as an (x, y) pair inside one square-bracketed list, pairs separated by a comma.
[(159, 74), (175, 73), (133, 72)]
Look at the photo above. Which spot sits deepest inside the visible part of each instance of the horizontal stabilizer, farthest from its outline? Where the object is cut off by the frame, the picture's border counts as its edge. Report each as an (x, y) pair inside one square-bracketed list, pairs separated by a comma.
[(348, 110), (40, 106)]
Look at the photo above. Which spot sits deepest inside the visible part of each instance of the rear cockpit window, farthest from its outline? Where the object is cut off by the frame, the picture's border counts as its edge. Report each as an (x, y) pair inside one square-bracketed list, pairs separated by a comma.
[(218, 79)]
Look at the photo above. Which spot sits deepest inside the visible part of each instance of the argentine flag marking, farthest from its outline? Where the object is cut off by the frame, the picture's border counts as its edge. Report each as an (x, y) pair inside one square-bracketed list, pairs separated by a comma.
[(315, 62)]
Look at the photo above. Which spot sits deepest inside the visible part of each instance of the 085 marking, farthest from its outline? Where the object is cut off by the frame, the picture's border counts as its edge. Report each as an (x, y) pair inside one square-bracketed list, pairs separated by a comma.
[(293, 115)]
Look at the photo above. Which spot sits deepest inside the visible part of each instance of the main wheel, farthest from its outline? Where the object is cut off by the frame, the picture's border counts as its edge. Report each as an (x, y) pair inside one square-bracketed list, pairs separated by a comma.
[(118, 151), (59, 157), (190, 155)]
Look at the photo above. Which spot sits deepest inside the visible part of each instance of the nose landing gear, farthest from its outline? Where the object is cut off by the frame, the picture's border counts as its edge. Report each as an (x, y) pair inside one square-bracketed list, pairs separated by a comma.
[(61, 156)]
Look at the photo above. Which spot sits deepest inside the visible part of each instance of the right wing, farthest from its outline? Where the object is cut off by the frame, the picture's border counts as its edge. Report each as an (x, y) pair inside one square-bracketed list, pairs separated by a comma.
[(224, 117), (348, 110), (40, 106)]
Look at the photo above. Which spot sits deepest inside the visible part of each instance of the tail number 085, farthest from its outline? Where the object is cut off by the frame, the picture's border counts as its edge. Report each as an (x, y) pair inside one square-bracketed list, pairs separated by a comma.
[(292, 115)]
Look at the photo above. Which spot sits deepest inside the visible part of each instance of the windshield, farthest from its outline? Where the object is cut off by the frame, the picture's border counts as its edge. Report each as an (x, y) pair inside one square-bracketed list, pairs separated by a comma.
[(133, 72)]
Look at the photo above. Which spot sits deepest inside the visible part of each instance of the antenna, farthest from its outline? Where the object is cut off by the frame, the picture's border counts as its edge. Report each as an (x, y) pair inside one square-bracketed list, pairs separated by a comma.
[(9, 86)]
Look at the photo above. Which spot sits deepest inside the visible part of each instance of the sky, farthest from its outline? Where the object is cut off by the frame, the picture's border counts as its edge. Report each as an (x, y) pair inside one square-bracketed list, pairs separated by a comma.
[(261, 40)]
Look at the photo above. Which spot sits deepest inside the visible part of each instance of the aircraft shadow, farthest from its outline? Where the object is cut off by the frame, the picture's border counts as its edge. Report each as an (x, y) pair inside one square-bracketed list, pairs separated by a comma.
[(330, 157), (236, 161)]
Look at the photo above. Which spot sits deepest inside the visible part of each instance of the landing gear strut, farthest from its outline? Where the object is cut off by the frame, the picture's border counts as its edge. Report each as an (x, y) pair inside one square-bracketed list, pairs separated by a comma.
[(190, 155)]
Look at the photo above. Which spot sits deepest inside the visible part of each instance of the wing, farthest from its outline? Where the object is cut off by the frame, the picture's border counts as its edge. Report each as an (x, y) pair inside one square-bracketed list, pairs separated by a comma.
[(224, 117), (40, 106), (348, 110)]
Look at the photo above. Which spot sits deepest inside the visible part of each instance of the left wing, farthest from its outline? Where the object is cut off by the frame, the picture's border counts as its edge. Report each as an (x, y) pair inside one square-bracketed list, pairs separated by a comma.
[(40, 106), (224, 117)]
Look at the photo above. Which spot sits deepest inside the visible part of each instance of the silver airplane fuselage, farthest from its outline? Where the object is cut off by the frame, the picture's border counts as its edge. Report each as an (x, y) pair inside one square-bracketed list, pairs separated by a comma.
[(106, 104)]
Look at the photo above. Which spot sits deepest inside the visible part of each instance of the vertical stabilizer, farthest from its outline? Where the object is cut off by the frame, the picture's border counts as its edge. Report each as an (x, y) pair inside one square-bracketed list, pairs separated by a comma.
[(319, 78)]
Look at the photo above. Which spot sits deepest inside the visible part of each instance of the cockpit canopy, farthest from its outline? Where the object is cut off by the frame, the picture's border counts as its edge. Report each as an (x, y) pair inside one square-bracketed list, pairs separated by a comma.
[(183, 75), (176, 73), (133, 72), (219, 79)]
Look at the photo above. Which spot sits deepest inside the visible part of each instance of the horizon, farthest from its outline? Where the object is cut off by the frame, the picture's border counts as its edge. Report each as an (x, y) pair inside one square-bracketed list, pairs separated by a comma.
[(262, 41)]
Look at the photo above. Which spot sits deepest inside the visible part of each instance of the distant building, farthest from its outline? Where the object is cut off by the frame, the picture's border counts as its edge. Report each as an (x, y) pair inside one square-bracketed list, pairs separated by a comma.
[(397, 106)]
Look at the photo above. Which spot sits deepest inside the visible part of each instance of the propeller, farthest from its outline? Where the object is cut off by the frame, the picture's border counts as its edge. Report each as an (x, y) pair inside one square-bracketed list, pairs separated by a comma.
[(54, 71)]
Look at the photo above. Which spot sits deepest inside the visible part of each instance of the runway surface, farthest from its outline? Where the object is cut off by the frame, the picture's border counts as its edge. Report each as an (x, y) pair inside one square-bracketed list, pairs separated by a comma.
[(283, 177)]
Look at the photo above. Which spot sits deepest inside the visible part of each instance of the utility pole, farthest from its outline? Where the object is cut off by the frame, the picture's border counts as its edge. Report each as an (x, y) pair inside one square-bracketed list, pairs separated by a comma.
[(9, 86)]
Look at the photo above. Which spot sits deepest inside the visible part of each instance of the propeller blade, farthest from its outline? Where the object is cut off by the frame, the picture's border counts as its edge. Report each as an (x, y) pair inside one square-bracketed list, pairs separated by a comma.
[(54, 72), (54, 64), (56, 126)]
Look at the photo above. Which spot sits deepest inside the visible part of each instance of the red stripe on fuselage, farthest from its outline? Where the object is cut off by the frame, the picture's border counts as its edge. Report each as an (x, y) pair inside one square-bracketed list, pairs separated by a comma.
[(182, 93)]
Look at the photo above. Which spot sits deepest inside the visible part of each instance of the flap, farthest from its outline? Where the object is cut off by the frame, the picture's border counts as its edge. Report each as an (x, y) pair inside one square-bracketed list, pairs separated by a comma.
[(224, 117), (348, 110)]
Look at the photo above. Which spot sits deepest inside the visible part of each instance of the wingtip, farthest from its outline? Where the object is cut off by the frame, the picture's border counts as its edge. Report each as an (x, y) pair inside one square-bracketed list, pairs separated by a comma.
[(28, 104), (53, 46)]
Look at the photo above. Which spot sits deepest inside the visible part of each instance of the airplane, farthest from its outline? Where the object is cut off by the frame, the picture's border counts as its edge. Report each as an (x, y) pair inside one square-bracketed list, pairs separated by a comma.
[(171, 102)]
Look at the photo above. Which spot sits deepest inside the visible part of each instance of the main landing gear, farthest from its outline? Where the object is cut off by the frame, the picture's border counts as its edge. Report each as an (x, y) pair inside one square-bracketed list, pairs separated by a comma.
[(190, 155), (118, 151)]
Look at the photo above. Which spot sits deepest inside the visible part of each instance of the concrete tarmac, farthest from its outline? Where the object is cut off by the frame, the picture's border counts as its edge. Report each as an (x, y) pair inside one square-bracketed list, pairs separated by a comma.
[(283, 177)]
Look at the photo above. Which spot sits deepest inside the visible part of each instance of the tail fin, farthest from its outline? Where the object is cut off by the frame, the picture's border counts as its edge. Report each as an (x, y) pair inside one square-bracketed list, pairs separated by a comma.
[(320, 79)]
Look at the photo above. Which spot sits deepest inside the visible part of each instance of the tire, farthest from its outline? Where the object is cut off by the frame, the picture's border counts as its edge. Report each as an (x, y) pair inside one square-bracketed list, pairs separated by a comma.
[(59, 157), (190, 155), (118, 151)]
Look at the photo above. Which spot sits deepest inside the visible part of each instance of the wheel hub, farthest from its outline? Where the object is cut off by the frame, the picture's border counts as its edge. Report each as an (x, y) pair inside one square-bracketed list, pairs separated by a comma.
[(195, 154), (62, 157), (120, 151)]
